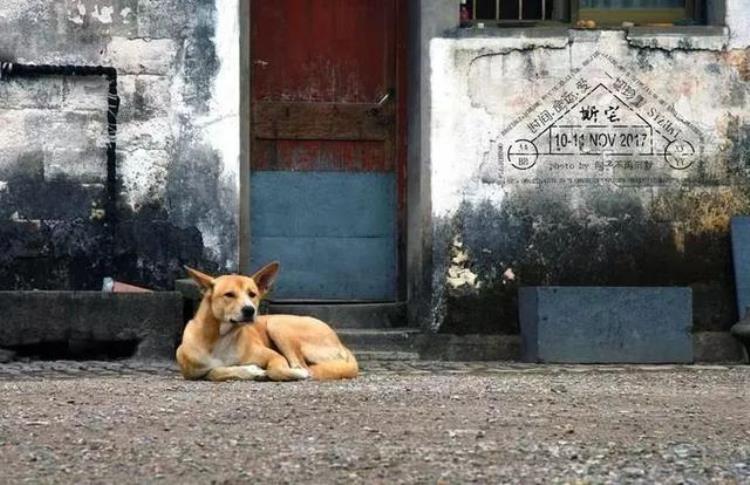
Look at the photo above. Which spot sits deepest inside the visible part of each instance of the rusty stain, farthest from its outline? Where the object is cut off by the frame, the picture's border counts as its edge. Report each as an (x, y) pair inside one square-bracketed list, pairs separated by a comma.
[(700, 211), (740, 60)]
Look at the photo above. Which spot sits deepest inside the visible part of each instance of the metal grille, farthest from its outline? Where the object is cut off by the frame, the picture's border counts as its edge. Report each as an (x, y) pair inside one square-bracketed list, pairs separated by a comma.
[(507, 10)]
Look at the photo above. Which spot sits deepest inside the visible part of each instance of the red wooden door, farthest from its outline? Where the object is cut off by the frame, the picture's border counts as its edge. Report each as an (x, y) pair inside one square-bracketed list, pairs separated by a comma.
[(327, 146)]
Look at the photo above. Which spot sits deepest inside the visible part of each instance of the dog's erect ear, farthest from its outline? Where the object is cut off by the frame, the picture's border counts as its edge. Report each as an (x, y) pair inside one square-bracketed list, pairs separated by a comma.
[(204, 281), (264, 277)]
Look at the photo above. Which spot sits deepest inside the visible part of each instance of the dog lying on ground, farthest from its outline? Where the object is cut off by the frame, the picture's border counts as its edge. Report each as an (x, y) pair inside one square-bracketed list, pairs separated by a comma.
[(227, 339)]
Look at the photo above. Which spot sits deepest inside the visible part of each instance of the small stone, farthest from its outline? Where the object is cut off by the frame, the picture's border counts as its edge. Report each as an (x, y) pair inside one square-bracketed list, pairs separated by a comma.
[(633, 471)]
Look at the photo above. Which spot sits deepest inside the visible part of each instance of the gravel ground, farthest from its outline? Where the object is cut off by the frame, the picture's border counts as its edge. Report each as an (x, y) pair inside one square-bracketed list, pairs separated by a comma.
[(424, 423)]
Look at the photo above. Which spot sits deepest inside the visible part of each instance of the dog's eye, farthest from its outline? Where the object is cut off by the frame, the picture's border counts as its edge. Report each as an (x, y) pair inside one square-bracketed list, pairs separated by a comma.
[(251, 294), (230, 294)]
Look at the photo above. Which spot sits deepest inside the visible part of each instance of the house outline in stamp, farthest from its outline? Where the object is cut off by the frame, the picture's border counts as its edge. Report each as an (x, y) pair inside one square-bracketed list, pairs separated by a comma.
[(602, 119)]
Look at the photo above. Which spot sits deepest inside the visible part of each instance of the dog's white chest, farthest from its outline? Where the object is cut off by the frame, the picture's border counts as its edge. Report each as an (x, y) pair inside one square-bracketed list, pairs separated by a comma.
[(225, 349)]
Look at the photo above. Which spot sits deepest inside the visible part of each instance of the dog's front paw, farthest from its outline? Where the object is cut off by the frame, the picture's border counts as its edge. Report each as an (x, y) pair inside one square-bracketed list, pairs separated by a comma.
[(252, 371), (300, 374)]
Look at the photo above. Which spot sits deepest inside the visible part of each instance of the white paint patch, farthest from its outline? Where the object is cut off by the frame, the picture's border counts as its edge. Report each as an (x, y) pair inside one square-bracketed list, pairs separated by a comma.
[(219, 127), (3, 186), (459, 273), (459, 277), (144, 176), (124, 13), (222, 124), (104, 15), (76, 15), (738, 21), (454, 142)]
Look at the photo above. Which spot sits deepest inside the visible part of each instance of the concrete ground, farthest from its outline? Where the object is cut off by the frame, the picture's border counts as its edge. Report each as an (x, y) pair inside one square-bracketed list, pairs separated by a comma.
[(67, 422)]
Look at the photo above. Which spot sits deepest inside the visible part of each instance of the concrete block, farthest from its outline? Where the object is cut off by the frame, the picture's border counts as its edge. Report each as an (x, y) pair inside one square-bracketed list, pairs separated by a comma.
[(140, 56), (143, 97), (163, 18), (85, 93), (154, 320), (148, 134), (606, 324), (14, 131), (66, 130), (84, 166), (41, 93), (741, 259), (18, 161)]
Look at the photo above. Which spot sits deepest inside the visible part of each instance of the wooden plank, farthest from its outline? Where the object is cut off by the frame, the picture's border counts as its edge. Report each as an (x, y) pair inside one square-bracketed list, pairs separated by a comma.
[(323, 204), (326, 121), (321, 155)]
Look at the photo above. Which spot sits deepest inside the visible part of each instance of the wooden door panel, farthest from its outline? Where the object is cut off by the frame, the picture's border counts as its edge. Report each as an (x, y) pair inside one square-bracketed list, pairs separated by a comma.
[(322, 50)]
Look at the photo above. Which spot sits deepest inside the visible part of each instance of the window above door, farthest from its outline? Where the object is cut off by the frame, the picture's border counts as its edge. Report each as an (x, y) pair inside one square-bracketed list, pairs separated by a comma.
[(603, 13)]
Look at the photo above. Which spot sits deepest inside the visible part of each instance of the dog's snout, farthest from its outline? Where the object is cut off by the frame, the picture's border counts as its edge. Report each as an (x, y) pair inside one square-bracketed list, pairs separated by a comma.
[(248, 312)]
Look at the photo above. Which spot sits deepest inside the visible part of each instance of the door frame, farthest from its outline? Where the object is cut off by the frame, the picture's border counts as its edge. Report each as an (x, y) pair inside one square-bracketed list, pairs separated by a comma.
[(414, 218)]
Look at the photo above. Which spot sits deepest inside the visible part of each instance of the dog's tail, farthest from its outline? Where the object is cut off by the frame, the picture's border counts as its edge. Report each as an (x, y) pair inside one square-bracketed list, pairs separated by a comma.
[(342, 368)]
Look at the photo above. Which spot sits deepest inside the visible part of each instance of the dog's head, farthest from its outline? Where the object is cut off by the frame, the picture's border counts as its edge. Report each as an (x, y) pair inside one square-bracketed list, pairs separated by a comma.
[(234, 298)]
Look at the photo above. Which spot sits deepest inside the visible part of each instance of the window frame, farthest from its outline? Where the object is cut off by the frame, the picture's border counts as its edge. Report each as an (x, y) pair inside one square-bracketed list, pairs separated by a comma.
[(639, 16), (570, 12)]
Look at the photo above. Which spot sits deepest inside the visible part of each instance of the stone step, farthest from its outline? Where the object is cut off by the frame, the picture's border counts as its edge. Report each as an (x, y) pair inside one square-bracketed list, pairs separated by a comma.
[(337, 315), (397, 339), (347, 315), (364, 356)]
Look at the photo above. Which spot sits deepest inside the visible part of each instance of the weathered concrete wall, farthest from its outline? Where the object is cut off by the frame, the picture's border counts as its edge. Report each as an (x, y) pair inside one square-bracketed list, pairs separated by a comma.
[(177, 142), (586, 158)]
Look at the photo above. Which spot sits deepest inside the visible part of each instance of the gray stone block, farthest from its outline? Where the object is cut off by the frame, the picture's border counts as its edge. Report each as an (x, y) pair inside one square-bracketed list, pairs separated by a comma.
[(741, 259), (153, 320), (606, 325)]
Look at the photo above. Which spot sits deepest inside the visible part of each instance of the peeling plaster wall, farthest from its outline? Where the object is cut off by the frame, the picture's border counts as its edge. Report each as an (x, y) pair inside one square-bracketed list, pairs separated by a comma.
[(513, 208), (177, 65)]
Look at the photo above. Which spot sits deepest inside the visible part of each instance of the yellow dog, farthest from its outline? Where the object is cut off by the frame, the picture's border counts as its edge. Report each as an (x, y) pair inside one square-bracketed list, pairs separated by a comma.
[(227, 339)]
